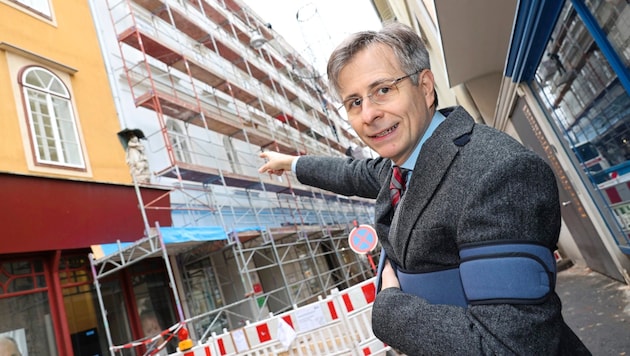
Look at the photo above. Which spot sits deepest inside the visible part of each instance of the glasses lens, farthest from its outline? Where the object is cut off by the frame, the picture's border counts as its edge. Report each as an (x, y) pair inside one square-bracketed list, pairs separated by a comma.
[(383, 93), (352, 104)]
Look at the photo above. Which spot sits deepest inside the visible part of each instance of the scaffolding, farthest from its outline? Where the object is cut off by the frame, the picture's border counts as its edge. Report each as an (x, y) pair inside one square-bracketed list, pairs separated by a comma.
[(222, 86)]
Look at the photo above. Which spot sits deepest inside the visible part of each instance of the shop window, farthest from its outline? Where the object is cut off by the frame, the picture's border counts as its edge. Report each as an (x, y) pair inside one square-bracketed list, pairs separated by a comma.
[(118, 317), (154, 302), (25, 308), (613, 16), (82, 313), (588, 103), (51, 119), (583, 93)]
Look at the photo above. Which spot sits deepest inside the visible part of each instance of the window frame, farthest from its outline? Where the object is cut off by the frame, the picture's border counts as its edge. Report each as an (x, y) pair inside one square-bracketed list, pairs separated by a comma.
[(36, 9), (179, 142), (51, 100)]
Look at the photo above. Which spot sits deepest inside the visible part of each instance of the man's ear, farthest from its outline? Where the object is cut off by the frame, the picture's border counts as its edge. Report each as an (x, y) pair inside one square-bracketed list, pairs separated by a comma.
[(427, 83)]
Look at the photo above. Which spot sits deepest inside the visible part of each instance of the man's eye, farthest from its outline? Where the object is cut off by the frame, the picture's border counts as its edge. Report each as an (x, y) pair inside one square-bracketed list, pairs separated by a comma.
[(353, 103), (382, 90)]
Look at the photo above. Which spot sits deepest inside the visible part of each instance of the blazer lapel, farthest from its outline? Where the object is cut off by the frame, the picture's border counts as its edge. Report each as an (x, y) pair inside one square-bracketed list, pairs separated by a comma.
[(435, 158)]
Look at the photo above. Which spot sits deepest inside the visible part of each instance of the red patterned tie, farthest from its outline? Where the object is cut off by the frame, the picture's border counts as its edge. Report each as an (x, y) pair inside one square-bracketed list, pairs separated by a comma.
[(397, 184)]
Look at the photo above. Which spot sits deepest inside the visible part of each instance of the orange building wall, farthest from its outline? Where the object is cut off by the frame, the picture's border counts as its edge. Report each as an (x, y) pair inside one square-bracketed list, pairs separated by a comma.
[(68, 40)]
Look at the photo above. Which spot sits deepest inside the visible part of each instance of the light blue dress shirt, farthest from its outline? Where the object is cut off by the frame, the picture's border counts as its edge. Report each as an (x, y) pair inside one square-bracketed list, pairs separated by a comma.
[(437, 119)]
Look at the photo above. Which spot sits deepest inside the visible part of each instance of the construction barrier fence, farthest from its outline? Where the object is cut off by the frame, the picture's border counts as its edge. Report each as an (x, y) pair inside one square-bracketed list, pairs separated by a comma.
[(339, 324)]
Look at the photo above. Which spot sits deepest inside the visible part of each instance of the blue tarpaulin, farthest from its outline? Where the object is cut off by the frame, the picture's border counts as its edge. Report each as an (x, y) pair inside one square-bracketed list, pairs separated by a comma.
[(249, 228), (175, 235)]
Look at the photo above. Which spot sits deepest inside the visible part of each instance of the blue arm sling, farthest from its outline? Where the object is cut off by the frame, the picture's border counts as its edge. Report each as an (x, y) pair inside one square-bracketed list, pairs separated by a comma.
[(512, 272)]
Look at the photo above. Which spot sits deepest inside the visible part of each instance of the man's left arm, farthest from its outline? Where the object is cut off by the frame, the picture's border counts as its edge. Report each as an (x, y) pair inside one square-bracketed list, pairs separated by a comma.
[(514, 200)]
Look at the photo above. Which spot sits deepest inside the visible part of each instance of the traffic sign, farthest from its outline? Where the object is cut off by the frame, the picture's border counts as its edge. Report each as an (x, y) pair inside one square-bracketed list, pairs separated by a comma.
[(362, 239)]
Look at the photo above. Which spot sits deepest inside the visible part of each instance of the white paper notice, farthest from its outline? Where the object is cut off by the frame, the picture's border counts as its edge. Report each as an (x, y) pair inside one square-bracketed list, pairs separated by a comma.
[(309, 318), (286, 334), (240, 340)]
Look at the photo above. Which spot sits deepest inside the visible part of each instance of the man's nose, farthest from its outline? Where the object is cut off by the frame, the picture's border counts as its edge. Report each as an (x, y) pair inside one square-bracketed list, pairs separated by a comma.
[(370, 111)]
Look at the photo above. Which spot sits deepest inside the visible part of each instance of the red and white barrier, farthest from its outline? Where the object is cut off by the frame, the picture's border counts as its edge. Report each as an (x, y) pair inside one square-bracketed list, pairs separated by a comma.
[(337, 325), (617, 192), (358, 298), (201, 350), (150, 340), (224, 344)]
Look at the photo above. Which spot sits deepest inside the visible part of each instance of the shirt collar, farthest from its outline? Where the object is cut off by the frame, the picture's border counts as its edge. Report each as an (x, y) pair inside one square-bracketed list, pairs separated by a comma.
[(437, 119)]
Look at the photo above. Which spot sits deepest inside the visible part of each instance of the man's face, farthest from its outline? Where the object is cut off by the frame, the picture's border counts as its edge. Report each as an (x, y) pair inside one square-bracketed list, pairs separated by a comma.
[(8, 348), (394, 128), (150, 326)]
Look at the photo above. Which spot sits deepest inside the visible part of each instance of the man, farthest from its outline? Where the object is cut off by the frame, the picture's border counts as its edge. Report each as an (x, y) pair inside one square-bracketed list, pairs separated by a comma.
[(478, 221), (151, 328), (8, 347)]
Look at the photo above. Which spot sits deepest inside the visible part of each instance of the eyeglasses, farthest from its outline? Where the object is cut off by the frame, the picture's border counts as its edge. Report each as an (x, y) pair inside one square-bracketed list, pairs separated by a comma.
[(380, 94)]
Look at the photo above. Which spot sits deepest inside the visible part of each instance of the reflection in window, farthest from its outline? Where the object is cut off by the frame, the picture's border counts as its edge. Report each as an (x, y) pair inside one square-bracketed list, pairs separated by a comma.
[(583, 92), (117, 314), (613, 16), (153, 299), (51, 119), (588, 103), (25, 308)]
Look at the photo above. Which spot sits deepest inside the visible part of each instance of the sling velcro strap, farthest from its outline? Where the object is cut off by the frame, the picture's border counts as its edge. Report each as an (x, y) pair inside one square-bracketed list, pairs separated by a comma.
[(438, 287), (490, 273), (513, 272)]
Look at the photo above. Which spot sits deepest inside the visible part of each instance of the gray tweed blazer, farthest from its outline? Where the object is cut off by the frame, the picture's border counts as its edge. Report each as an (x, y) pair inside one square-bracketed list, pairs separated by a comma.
[(471, 183)]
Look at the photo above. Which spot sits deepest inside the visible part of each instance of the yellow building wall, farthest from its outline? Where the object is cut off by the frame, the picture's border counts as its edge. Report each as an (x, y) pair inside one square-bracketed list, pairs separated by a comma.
[(68, 46)]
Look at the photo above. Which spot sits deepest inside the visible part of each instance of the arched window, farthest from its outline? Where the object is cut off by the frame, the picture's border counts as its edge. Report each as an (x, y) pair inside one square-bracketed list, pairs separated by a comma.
[(51, 119), (41, 7)]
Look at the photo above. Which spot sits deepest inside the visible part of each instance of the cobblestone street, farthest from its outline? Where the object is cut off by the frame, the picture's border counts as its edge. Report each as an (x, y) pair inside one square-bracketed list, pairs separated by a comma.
[(597, 308)]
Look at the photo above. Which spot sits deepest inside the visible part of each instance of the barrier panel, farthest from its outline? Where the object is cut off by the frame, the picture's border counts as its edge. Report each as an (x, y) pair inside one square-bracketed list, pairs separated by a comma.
[(152, 344), (617, 193), (339, 324)]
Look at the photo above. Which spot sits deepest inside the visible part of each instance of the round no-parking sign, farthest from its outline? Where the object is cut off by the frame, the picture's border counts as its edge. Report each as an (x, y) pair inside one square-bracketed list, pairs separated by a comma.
[(362, 239)]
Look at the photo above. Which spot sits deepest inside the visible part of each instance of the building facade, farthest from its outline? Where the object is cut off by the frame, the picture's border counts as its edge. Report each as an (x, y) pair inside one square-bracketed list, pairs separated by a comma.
[(65, 183), (553, 74), (130, 139), (205, 86)]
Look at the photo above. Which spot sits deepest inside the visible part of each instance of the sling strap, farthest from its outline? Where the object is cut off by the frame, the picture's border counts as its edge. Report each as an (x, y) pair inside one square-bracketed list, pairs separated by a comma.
[(512, 272)]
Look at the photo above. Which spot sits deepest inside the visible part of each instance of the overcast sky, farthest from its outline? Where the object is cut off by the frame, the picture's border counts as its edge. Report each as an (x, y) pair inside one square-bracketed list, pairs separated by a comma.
[(315, 27)]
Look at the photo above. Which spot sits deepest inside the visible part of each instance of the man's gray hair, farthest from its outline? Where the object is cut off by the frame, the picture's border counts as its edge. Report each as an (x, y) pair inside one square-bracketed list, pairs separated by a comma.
[(408, 47)]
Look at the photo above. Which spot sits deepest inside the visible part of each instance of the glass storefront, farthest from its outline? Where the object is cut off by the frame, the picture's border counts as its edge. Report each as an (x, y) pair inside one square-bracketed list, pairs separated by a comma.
[(589, 105), (614, 17), (153, 300), (25, 307), (82, 313), (31, 315)]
